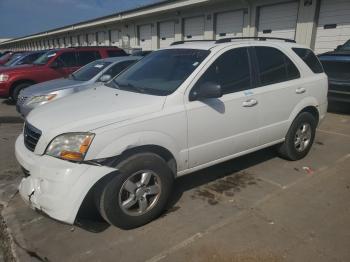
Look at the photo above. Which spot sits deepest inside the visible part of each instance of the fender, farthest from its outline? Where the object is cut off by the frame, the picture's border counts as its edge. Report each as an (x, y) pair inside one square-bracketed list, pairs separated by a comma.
[(145, 138), (305, 102)]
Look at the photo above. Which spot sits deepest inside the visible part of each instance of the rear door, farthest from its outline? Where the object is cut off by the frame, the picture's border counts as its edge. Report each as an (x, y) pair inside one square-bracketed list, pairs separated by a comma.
[(222, 127), (280, 89)]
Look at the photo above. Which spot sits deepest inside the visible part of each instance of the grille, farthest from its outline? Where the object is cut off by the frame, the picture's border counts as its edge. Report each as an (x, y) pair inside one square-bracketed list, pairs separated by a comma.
[(21, 100), (31, 136)]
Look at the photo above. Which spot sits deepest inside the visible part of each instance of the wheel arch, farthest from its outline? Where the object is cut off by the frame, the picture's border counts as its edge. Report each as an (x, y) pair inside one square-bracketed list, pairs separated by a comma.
[(18, 82)]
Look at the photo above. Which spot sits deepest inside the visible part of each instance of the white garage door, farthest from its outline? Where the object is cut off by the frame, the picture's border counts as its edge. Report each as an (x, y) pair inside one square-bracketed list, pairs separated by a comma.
[(75, 41), (92, 39), (194, 28), (229, 24), (115, 37), (101, 37), (166, 33), (145, 37), (278, 20), (333, 25), (67, 39)]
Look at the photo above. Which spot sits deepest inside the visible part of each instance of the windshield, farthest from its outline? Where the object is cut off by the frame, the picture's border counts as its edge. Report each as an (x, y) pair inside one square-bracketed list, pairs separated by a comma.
[(43, 59), (89, 71), (161, 72), (346, 46)]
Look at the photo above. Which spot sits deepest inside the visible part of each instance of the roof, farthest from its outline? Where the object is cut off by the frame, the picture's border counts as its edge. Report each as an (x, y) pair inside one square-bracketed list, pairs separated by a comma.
[(120, 58)]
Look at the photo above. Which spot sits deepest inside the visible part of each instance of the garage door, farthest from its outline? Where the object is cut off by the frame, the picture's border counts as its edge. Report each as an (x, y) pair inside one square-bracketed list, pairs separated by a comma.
[(101, 37), (229, 24), (75, 41), (115, 37), (278, 20), (92, 39), (166, 33), (194, 28), (333, 25), (145, 37), (67, 41)]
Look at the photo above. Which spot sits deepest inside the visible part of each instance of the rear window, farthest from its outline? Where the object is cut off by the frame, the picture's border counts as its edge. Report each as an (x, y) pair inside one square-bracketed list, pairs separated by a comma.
[(114, 53), (310, 59)]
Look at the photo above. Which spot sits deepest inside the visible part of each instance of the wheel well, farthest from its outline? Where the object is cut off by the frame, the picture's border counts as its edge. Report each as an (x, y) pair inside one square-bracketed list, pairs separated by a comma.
[(16, 83), (158, 150), (313, 111)]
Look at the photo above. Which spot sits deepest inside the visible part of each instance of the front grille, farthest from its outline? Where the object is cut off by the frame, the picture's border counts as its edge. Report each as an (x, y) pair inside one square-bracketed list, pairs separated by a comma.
[(21, 100), (31, 136)]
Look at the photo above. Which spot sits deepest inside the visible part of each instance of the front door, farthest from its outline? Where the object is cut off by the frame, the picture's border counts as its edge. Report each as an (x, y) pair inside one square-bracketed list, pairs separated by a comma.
[(222, 127)]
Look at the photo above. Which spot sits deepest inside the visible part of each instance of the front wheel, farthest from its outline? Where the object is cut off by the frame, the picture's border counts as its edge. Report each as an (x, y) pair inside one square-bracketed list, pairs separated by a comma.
[(299, 138), (139, 193), (17, 89)]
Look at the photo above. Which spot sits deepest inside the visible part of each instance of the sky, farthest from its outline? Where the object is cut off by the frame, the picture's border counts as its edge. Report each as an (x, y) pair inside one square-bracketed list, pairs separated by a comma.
[(24, 17)]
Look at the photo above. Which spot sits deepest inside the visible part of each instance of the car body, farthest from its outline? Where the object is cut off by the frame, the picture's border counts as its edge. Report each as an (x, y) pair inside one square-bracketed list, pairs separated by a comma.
[(89, 76), (54, 64), (24, 58), (177, 110), (337, 66)]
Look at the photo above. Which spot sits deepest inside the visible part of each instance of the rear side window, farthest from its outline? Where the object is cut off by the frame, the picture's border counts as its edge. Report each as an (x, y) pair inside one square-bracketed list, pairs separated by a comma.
[(274, 66), (231, 71), (114, 53), (310, 59), (85, 57)]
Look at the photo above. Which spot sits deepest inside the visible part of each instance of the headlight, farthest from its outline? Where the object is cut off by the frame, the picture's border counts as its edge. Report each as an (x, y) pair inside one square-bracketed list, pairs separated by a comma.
[(70, 146), (3, 78), (40, 99)]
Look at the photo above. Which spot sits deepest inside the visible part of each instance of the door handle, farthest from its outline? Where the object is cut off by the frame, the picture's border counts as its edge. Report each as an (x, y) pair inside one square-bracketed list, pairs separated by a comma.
[(250, 103), (300, 90)]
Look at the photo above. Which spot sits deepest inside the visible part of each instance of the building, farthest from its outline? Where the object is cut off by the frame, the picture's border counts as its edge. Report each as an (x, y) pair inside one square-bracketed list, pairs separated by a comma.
[(319, 24)]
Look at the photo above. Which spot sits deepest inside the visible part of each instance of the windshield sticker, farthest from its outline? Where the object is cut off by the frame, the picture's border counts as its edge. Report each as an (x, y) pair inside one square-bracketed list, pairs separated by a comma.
[(51, 55), (195, 63), (98, 66), (248, 93)]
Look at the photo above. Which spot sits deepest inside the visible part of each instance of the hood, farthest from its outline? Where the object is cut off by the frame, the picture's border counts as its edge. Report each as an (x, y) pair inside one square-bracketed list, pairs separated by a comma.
[(92, 109), (50, 86)]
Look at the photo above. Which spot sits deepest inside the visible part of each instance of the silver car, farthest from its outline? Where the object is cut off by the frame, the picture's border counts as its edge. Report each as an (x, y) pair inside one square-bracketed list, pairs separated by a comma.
[(89, 76)]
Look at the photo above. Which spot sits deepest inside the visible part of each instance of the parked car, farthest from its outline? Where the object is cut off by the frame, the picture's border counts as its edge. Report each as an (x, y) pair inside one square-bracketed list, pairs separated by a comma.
[(337, 66), (54, 64), (24, 59), (176, 111), (8, 56), (89, 76)]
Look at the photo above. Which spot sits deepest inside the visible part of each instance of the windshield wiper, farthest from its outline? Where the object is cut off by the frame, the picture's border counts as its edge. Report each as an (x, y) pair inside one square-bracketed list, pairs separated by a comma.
[(130, 87)]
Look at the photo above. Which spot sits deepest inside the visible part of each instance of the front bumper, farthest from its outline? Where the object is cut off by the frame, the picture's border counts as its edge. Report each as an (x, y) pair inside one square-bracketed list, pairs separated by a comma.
[(56, 187)]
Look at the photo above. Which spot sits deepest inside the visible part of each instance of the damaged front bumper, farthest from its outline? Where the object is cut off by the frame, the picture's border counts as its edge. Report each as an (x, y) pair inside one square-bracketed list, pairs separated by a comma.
[(54, 186)]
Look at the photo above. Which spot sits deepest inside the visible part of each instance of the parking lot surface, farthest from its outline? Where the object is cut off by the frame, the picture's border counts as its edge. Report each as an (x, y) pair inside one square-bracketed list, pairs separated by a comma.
[(254, 208)]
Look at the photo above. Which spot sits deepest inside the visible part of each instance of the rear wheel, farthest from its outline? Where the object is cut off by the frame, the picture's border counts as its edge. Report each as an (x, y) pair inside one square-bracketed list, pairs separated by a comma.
[(139, 193), (299, 138), (16, 89)]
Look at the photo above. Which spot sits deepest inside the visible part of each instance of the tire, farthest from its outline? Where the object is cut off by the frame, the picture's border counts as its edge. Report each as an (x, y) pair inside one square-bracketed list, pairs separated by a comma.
[(114, 204), (298, 140), (17, 89)]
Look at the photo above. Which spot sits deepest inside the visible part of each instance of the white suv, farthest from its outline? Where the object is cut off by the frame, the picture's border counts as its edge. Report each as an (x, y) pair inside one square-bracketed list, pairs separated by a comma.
[(177, 110)]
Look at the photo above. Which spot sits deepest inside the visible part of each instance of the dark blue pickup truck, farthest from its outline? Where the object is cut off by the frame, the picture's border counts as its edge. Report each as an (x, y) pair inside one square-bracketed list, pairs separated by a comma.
[(337, 66)]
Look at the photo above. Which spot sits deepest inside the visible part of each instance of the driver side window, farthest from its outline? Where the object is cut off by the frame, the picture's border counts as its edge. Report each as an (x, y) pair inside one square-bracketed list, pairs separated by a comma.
[(231, 71), (67, 59)]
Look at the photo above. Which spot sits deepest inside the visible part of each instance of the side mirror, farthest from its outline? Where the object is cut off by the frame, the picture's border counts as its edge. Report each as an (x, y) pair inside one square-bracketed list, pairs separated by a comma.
[(105, 78), (205, 91)]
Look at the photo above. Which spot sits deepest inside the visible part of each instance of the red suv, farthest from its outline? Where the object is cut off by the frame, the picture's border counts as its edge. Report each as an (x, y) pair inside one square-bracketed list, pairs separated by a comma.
[(54, 64)]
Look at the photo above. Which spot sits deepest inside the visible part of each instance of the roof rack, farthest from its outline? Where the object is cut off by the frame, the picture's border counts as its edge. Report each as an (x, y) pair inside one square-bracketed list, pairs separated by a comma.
[(259, 38), (189, 41)]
